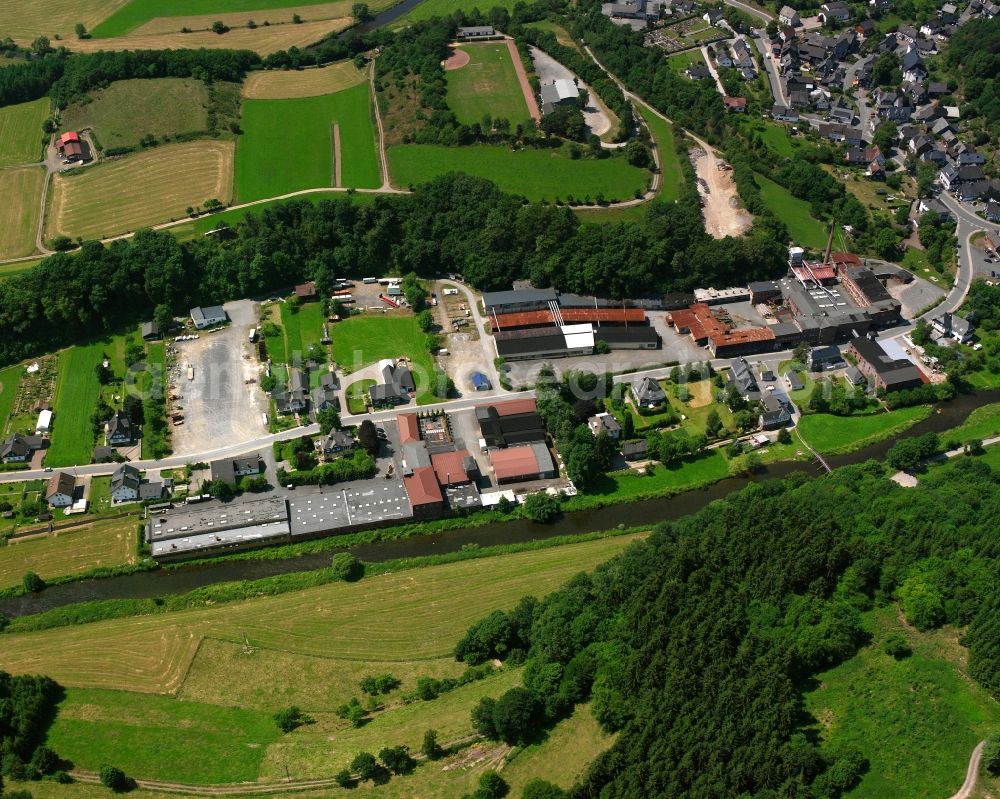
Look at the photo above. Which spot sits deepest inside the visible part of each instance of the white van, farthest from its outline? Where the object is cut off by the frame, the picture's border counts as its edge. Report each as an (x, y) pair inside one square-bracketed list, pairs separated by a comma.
[(370, 280)]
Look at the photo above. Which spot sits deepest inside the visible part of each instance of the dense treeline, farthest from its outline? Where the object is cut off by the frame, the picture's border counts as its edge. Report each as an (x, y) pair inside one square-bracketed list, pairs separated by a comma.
[(974, 52), (696, 645), (455, 223), (65, 77), (27, 707)]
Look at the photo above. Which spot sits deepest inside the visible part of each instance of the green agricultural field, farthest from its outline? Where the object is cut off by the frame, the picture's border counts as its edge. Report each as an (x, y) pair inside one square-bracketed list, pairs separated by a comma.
[(805, 230), (21, 190), (445, 8), (831, 435), (672, 177), (138, 12), (916, 720), (409, 615), (77, 391), (156, 736), (10, 270), (127, 110), (10, 379), (287, 145), (105, 543), (535, 174), (21, 136), (361, 340), (487, 85)]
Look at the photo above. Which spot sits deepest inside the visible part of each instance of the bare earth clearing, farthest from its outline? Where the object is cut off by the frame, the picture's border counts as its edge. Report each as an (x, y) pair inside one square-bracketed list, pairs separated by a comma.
[(723, 215)]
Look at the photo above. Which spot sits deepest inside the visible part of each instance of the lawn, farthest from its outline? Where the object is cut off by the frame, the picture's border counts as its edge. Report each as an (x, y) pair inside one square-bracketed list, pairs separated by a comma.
[(831, 435), (77, 391), (159, 737), (21, 136), (535, 174), (302, 329), (804, 229), (105, 543), (287, 84), (361, 340), (486, 86), (357, 396), (140, 190), (138, 12), (409, 615), (287, 145), (127, 110), (21, 190), (681, 61), (672, 176), (916, 720), (10, 379)]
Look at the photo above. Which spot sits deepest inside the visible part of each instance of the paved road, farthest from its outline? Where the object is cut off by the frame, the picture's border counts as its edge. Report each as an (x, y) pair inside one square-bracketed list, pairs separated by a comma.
[(753, 10), (711, 69), (771, 68)]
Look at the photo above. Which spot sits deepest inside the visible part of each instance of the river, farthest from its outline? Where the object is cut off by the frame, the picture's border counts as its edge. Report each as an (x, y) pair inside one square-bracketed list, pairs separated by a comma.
[(181, 579)]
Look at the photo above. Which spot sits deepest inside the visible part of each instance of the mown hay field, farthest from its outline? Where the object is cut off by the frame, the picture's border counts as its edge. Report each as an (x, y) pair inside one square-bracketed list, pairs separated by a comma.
[(140, 190), (287, 145), (21, 135), (155, 16), (410, 615), (487, 85), (127, 110), (289, 84), (535, 174), (23, 20), (104, 543), (22, 192), (263, 39)]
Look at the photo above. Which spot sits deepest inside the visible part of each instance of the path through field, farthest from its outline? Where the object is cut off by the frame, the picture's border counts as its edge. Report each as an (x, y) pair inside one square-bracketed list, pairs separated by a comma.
[(522, 77), (338, 177), (970, 775)]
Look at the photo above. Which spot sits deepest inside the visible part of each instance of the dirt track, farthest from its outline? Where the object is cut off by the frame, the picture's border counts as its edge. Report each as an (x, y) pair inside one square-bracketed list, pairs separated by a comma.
[(722, 211), (529, 95)]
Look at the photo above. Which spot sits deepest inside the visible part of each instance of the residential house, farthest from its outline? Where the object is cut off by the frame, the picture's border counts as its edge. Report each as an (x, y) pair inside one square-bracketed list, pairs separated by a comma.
[(822, 358), (855, 156), (774, 414), (60, 490), (605, 423), (836, 11), (913, 66), (932, 27), (635, 450), (324, 396), (992, 211), (926, 114), (887, 373), (151, 331), (294, 396), (920, 144), (794, 381), (207, 317), (230, 470), (125, 484), (906, 34), (17, 448), (737, 105), (741, 377), (970, 190), (789, 16), (306, 292), (937, 89), (713, 16), (155, 490), (940, 127), (698, 71), (840, 133), (722, 57), (337, 443), (784, 114), (397, 386), (648, 393), (893, 104), (841, 112), (865, 28), (947, 324), (118, 430), (935, 205)]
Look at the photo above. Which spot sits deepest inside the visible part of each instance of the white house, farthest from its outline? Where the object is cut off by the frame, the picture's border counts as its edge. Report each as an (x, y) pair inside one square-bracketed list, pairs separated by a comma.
[(790, 17), (206, 317), (44, 424), (605, 422), (125, 484), (59, 493)]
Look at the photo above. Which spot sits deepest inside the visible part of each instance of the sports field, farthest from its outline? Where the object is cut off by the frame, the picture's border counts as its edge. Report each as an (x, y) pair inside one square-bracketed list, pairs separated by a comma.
[(263, 39), (110, 542), (127, 110), (834, 434), (140, 190), (916, 720), (411, 615), (21, 135), (77, 391), (487, 85), (21, 190), (287, 145), (535, 174), (804, 228), (288, 84), (138, 13), (23, 20)]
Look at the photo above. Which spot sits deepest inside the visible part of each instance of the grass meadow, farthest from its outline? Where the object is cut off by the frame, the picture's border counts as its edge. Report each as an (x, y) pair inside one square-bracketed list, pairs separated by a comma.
[(289, 84), (137, 13), (287, 145), (303, 328), (487, 85), (672, 177), (10, 379), (140, 190), (24, 21), (805, 230), (104, 543), (21, 135), (21, 190), (445, 8), (411, 615), (916, 720), (77, 391), (831, 435), (534, 174), (127, 110)]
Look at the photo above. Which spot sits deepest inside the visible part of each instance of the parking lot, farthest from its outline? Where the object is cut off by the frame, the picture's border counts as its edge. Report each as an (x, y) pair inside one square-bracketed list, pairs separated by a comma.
[(220, 407)]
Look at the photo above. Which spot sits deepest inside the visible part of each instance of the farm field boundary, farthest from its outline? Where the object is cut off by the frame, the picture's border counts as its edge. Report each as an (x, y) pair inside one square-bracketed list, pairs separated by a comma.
[(273, 84)]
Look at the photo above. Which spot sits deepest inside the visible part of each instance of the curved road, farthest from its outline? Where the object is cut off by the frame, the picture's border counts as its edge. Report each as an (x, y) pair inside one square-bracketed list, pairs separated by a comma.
[(971, 773)]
